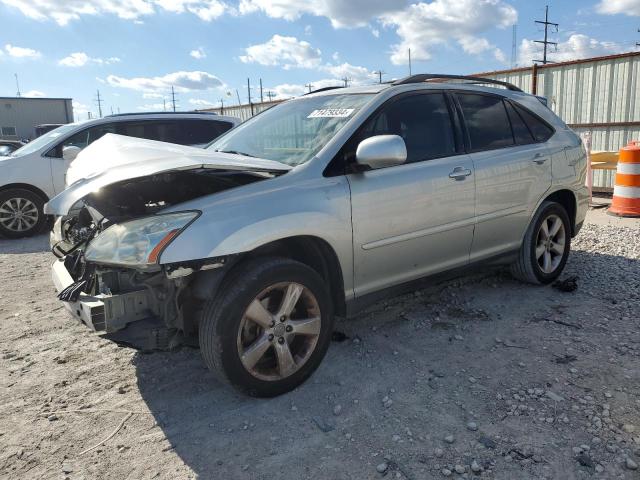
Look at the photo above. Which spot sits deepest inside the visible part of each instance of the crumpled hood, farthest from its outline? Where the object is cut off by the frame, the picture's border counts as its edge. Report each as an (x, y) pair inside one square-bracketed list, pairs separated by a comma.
[(115, 158)]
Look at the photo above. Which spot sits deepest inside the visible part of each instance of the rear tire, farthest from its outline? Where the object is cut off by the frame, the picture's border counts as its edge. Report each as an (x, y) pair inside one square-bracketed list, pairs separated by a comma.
[(21, 213), (251, 338), (542, 256)]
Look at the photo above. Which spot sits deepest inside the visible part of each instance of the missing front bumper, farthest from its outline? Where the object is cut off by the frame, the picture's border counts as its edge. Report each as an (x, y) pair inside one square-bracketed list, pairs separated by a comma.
[(103, 313)]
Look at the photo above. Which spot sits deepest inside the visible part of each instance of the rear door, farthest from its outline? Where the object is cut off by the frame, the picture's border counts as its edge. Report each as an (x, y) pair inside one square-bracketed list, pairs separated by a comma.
[(513, 170), (413, 219)]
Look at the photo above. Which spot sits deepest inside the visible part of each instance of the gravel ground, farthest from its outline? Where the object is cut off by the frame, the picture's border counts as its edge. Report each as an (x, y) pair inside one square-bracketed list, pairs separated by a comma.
[(481, 376)]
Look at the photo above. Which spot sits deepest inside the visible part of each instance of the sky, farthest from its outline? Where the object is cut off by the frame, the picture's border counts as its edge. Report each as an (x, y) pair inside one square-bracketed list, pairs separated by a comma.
[(134, 51)]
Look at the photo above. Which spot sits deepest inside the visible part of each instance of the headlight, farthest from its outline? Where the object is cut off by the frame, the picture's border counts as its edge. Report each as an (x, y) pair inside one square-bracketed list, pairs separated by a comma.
[(138, 242)]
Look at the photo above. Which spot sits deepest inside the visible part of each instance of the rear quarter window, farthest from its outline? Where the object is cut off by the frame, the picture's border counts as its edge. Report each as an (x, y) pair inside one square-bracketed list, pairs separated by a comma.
[(486, 120), (540, 130)]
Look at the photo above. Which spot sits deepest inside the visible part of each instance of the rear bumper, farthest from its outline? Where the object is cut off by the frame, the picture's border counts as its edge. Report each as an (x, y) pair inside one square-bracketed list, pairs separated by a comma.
[(102, 313)]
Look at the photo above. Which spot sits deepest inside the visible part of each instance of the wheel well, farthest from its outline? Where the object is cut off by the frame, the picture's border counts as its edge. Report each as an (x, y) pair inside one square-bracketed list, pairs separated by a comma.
[(567, 199), (315, 253), (26, 186)]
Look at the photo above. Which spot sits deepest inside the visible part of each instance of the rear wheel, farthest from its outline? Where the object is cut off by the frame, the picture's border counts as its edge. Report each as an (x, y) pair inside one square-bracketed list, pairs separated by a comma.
[(545, 247), (269, 327), (21, 213)]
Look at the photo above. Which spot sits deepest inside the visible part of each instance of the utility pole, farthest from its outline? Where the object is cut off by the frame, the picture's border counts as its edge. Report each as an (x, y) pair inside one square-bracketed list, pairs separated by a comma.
[(379, 73), (637, 43), (346, 80), (249, 96), (173, 98), (261, 98), (309, 86), (222, 106), (270, 95), (164, 104), (99, 102), (409, 62), (514, 46), (238, 95), (546, 42), (17, 85), (111, 109)]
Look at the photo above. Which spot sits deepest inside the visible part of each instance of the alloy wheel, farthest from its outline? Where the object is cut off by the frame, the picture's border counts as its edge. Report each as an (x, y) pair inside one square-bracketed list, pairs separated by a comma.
[(550, 244), (279, 331), (18, 214)]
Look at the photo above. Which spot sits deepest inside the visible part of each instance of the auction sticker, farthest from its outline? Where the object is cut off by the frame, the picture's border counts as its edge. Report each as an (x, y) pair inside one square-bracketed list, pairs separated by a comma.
[(331, 113)]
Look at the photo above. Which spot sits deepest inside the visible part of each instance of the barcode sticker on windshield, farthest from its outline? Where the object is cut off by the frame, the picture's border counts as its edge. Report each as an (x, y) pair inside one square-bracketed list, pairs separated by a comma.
[(331, 113)]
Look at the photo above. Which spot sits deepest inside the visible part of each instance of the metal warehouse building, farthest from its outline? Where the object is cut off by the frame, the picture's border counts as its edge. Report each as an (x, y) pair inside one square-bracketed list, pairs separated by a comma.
[(20, 115)]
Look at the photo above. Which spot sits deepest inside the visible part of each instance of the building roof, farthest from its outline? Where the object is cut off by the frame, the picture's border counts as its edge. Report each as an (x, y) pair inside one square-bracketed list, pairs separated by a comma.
[(34, 98)]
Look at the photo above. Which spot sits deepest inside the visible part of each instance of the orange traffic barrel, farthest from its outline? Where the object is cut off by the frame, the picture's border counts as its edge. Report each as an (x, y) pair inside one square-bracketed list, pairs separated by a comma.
[(626, 192)]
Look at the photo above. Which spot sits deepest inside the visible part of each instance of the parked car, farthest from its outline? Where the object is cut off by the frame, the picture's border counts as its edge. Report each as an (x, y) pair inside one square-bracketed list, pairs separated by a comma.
[(9, 146), (36, 172), (315, 208)]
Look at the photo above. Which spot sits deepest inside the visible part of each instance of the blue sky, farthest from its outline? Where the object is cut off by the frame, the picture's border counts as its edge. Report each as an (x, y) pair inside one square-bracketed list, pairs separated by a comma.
[(134, 50)]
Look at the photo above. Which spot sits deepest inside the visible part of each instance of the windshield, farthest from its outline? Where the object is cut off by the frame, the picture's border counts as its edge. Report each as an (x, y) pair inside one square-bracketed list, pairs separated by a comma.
[(292, 132), (38, 143)]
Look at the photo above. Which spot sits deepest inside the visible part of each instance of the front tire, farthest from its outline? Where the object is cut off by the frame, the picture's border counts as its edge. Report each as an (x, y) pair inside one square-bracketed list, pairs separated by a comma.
[(546, 245), (268, 328), (21, 213)]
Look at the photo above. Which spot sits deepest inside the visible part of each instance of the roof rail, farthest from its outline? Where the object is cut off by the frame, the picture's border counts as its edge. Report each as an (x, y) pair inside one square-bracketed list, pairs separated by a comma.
[(323, 89), (424, 77), (194, 112)]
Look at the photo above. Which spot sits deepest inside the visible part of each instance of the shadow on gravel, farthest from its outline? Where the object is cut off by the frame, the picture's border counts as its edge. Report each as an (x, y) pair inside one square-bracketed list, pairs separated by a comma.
[(37, 244), (220, 433)]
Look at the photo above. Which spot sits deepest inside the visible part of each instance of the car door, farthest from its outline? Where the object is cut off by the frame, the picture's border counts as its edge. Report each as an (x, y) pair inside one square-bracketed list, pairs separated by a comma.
[(512, 169), (413, 219)]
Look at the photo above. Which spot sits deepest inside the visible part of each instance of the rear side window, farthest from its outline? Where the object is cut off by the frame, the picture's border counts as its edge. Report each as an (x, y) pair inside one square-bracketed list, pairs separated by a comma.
[(521, 132), (540, 130), (486, 120), (424, 123), (182, 132)]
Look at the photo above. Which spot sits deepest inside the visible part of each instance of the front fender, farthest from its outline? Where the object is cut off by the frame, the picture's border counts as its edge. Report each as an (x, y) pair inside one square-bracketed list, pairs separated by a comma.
[(319, 208)]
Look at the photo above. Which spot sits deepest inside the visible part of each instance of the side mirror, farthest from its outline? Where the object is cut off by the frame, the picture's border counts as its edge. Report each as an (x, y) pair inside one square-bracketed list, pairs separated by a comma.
[(381, 151), (71, 152)]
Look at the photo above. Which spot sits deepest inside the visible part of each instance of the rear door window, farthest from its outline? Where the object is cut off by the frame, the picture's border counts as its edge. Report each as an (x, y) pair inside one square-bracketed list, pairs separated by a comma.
[(196, 132), (487, 122)]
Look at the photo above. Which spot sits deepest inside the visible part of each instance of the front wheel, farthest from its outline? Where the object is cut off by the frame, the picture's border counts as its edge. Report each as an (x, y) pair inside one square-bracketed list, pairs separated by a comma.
[(21, 213), (545, 247), (269, 327)]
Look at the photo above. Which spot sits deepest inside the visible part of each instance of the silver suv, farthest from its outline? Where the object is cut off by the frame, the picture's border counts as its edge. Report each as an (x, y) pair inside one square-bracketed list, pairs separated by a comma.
[(314, 209)]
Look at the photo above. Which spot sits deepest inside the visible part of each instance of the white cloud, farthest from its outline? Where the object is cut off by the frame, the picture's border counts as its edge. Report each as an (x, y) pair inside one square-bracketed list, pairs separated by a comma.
[(356, 74), (80, 59), (286, 52), (198, 53), (576, 46), (287, 90), (65, 11), (154, 107), (613, 7), (199, 102), (33, 94), (181, 81), (21, 52), (422, 26), (79, 109), (149, 95), (342, 14)]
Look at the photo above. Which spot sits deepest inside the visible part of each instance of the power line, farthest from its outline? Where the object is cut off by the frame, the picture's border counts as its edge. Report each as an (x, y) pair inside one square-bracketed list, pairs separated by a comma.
[(546, 42)]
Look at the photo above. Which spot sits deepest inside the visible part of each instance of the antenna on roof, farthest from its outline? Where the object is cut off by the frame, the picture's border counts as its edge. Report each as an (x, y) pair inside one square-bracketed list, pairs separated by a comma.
[(17, 85)]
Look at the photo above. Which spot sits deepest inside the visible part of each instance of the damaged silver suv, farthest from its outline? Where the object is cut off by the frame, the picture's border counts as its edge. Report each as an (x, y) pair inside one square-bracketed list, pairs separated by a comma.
[(310, 210)]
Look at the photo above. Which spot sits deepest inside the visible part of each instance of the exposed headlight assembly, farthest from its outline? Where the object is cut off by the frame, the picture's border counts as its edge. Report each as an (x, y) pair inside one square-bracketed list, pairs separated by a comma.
[(138, 242)]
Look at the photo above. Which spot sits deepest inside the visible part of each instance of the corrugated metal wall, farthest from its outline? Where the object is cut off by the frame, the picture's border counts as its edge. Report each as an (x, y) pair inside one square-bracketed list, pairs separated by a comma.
[(25, 113), (244, 112)]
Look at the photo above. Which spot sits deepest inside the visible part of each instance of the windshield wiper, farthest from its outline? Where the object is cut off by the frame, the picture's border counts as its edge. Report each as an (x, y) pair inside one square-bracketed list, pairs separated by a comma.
[(235, 152)]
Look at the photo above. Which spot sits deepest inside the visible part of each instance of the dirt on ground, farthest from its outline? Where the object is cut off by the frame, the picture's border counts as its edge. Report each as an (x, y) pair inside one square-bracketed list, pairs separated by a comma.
[(480, 376)]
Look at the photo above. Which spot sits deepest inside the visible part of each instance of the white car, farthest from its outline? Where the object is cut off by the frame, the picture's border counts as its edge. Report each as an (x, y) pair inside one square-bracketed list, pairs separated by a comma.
[(35, 173)]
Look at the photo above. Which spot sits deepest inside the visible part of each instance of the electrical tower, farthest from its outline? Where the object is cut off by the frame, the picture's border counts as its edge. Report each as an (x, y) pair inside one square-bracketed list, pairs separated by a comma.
[(546, 41), (17, 85), (173, 98), (99, 103), (379, 73), (346, 80)]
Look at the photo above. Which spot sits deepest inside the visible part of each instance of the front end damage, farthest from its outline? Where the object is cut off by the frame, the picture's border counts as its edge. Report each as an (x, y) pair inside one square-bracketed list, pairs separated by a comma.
[(131, 297)]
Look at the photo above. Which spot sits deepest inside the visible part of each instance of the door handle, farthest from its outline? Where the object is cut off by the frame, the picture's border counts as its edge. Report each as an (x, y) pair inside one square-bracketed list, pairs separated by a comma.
[(539, 158), (460, 173)]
